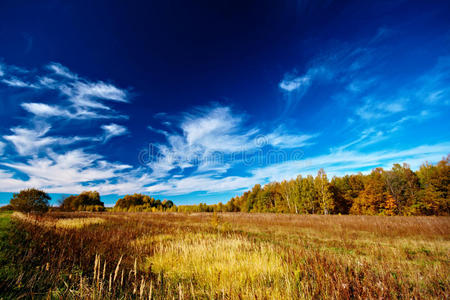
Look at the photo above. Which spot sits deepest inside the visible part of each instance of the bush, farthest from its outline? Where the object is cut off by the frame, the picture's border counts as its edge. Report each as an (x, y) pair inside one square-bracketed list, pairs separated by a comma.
[(30, 200), (7, 207), (86, 201), (140, 202)]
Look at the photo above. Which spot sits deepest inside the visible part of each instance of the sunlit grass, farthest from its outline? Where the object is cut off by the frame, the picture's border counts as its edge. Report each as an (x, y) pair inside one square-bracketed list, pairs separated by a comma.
[(69, 223), (220, 263), (233, 256)]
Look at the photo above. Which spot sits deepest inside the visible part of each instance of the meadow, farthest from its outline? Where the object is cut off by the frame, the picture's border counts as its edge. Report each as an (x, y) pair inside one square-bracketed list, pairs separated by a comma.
[(121, 255)]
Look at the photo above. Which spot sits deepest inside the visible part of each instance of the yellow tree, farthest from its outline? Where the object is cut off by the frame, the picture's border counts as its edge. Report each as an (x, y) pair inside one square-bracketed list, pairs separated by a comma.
[(372, 199), (435, 184), (323, 191)]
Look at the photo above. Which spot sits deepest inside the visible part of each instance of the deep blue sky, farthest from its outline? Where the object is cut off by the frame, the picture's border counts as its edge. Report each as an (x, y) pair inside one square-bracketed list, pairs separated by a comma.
[(224, 94)]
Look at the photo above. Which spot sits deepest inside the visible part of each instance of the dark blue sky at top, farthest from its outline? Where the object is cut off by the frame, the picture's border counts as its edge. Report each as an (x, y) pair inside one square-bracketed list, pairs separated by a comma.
[(332, 79)]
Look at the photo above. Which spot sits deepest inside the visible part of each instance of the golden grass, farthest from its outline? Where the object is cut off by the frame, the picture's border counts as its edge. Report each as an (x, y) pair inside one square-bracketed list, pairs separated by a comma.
[(245, 256), (220, 263), (69, 223)]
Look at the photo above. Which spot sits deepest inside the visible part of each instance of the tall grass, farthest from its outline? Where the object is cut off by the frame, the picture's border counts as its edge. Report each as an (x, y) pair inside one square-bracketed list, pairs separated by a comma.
[(230, 256)]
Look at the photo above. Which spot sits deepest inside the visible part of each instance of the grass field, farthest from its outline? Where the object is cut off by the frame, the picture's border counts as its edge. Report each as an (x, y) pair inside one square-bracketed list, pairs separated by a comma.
[(223, 256)]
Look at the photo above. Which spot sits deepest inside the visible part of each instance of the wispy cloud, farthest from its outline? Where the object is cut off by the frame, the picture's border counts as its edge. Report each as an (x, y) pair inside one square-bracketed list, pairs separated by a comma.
[(372, 109), (29, 141), (72, 171), (53, 161), (295, 87), (432, 88), (291, 84), (112, 130), (15, 82), (59, 69), (80, 98), (208, 131), (45, 110)]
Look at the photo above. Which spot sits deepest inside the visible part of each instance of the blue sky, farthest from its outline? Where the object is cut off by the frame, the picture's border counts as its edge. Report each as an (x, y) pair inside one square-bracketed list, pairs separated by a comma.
[(198, 101)]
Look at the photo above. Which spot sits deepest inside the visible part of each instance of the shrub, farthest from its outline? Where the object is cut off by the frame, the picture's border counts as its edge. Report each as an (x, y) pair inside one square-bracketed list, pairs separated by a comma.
[(140, 202), (30, 200), (89, 201), (7, 207)]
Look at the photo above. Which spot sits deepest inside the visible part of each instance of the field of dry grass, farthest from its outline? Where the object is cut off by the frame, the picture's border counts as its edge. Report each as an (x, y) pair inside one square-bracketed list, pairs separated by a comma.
[(228, 256)]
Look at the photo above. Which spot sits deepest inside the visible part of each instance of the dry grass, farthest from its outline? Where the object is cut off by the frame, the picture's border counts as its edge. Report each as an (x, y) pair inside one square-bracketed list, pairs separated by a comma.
[(236, 255), (67, 223), (220, 264)]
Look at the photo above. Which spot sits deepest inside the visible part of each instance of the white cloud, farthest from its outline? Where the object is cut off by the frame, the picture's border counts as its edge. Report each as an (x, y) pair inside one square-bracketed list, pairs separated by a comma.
[(59, 69), (281, 139), (2, 72), (15, 82), (394, 107), (45, 110), (432, 88), (52, 166), (86, 98), (204, 183), (360, 85), (72, 171), (372, 109), (290, 85), (100, 90), (295, 87), (112, 130), (160, 131), (29, 141), (47, 82), (215, 131)]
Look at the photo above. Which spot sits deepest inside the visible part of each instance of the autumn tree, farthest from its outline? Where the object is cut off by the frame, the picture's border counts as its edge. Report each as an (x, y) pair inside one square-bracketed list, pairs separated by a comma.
[(323, 192), (403, 186), (345, 190), (435, 185), (308, 194), (30, 200), (87, 201), (372, 199), (290, 193)]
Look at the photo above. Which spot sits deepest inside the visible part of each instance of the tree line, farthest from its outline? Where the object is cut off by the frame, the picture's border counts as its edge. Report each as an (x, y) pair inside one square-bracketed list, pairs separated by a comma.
[(399, 191)]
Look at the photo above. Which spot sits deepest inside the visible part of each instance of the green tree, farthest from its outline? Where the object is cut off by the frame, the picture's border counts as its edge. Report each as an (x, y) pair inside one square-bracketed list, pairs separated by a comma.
[(30, 200)]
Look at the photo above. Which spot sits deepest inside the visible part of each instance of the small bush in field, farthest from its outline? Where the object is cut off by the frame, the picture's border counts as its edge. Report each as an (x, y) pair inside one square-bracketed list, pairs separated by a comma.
[(30, 200), (86, 201)]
